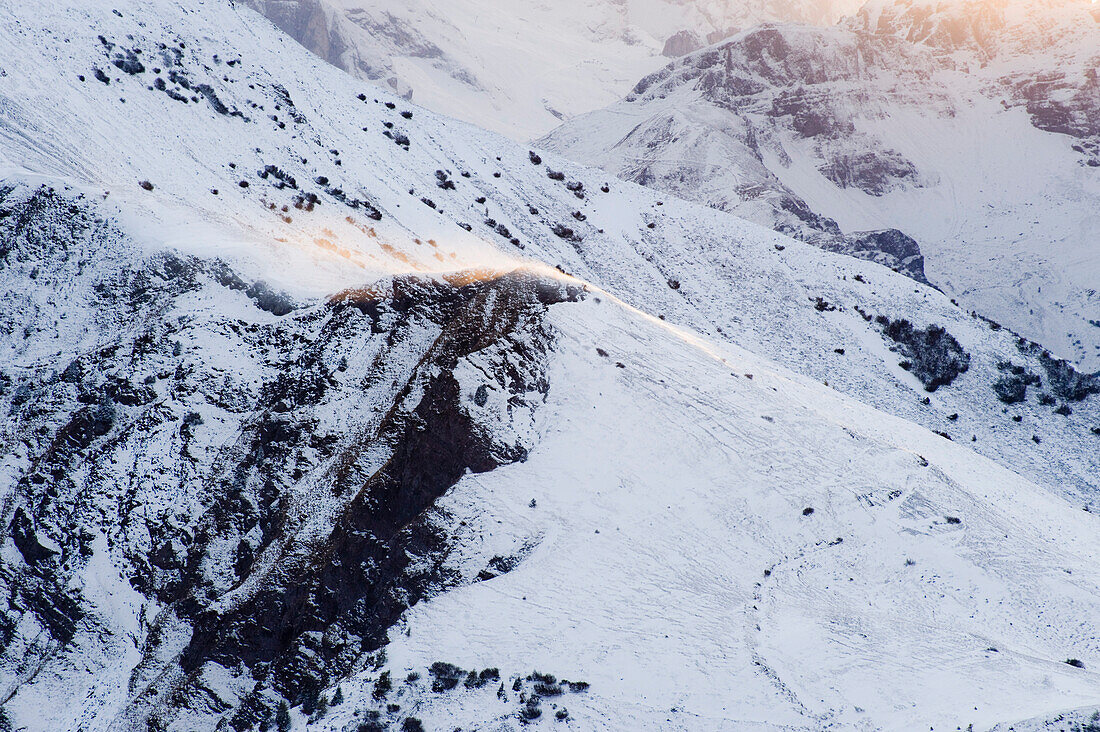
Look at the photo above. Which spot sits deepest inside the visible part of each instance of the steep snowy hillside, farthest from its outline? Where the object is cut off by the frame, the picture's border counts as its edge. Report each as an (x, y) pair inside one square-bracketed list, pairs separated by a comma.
[(325, 411), (971, 126), (520, 68)]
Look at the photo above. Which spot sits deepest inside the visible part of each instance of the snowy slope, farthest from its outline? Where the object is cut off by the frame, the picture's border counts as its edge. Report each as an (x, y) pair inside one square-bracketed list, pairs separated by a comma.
[(249, 448), (519, 68), (969, 126)]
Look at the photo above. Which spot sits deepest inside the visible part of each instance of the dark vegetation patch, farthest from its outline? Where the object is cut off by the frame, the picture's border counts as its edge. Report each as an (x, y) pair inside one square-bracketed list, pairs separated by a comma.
[(932, 354), (1011, 387), (128, 61), (526, 694)]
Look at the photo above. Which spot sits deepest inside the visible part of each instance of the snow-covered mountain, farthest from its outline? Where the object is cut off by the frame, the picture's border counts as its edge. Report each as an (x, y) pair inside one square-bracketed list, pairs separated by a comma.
[(327, 412), (970, 126), (521, 67)]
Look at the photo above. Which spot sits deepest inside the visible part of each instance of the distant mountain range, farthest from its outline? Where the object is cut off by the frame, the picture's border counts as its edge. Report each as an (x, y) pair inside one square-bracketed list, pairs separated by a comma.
[(973, 128), (520, 68)]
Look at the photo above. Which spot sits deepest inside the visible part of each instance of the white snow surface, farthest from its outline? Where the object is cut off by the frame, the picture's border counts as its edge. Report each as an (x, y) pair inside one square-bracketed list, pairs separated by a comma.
[(663, 489)]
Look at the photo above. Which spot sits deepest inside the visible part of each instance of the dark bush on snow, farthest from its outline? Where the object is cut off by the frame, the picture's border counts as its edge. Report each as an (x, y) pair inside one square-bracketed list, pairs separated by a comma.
[(1012, 387), (547, 689), (476, 680), (445, 676), (128, 62), (935, 357), (531, 710), (382, 686), (1066, 382), (562, 231)]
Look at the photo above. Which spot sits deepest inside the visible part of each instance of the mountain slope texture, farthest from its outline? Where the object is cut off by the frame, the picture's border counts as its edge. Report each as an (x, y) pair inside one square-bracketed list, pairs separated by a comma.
[(323, 411)]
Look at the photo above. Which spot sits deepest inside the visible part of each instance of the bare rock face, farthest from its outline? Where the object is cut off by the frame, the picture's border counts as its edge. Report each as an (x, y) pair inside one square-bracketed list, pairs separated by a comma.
[(681, 43), (888, 247), (285, 516)]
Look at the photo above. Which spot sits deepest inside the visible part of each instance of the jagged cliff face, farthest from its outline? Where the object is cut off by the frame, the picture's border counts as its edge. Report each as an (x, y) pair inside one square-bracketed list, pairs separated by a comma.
[(520, 68), (969, 127), (264, 474)]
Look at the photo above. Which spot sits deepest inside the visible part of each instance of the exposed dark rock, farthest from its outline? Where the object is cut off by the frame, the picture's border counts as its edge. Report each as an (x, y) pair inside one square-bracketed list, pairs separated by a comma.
[(681, 43), (891, 248)]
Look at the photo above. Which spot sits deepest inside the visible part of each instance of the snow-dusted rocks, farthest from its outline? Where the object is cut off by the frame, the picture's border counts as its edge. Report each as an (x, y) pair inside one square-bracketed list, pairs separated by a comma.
[(968, 126), (326, 427)]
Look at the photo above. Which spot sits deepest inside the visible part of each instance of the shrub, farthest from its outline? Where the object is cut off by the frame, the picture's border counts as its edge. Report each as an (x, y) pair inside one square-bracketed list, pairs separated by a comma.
[(531, 710), (563, 232), (934, 356), (445, 676), (1066, 382), (282, 717), (543, 689), (382, 686)]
